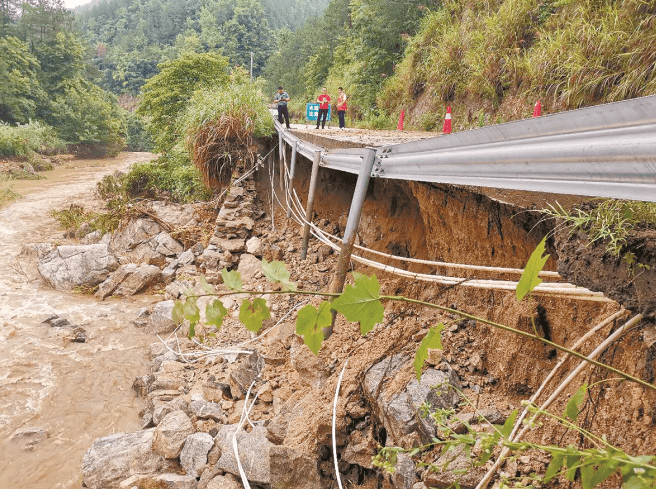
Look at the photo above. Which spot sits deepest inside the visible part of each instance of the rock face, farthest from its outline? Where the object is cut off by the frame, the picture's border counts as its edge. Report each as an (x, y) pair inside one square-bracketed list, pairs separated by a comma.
[(67, 267), (254, 451), (399, 412), (243, 376), (459, 461), (128, 280), (171, 434), (114, 458), (292, 469), (193, 457)]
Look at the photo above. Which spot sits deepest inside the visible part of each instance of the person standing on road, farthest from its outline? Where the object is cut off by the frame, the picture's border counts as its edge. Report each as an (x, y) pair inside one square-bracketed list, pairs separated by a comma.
[(324, 101), (281, 99), (341, 108)]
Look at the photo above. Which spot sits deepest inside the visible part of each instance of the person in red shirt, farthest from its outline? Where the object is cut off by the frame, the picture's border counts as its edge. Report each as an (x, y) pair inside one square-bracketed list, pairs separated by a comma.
[(341, 107), (324, 100)]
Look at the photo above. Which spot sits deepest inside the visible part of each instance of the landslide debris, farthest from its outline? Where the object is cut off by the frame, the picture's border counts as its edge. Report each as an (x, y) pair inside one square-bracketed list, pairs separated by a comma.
[(195, 394)]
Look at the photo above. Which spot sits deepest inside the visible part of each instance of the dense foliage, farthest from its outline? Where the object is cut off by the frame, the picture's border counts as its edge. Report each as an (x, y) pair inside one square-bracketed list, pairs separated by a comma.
[(131, 37), (219, 126), (46, 78), (166, 94)]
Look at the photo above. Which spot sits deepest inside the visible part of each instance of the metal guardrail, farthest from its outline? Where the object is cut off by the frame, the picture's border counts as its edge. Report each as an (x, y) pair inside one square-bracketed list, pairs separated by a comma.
[(603, 151)]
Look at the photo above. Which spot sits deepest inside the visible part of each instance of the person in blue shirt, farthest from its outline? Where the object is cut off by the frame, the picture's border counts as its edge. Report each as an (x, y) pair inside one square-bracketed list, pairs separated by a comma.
[(281, 99)]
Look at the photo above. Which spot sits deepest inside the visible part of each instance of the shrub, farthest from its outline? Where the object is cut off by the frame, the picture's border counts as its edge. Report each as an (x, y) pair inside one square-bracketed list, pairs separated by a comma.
[(220, 124), (24, 139), (137, 136), (170, 176)]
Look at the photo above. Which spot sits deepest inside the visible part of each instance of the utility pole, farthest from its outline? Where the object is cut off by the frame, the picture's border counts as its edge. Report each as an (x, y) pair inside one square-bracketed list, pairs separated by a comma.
[(251, 66)]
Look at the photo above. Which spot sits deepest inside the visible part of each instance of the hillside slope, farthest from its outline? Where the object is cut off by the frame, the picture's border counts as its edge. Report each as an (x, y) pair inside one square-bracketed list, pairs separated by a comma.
[(491, 60)]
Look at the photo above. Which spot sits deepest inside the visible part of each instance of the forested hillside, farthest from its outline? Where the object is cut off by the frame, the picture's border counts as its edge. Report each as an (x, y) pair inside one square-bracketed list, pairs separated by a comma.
[(131, 37), (45, 71), (489, 59)]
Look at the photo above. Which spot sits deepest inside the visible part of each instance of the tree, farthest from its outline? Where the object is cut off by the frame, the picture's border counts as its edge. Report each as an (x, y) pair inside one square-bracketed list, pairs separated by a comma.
[(20, 90), (166, 94)]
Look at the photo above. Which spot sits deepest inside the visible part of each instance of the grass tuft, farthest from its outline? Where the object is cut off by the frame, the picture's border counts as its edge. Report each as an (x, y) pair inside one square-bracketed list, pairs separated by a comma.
[(220, 125)]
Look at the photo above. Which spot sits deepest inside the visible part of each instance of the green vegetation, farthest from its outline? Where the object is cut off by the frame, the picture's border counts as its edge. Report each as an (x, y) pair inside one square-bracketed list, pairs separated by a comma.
[(165, 95), (73, 217), (611, 221), (219, 126), (170, 177), (7, 196), (592, 466), (47, 77), (130, 38), (25, 139), (503, 55)]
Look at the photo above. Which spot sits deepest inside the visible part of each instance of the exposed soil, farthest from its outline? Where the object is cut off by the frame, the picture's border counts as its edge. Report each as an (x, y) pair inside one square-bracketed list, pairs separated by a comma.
[(498, 369), (590, 265)]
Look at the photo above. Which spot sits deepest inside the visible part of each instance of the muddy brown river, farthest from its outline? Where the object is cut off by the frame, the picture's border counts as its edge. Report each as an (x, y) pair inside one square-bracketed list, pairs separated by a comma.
[(67, 394)]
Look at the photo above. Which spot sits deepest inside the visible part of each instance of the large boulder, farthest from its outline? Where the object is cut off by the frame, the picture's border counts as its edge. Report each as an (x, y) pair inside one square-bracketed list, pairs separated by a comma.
[(128, 280), (249, 267), (193, 457), (114, 458), (161, 319), (134, 234), (67, 267), (399, 410), (254, 451), (171, 434)]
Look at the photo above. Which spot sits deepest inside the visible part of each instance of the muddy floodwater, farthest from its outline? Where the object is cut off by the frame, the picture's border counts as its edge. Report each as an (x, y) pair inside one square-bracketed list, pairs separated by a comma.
[(67, 394)]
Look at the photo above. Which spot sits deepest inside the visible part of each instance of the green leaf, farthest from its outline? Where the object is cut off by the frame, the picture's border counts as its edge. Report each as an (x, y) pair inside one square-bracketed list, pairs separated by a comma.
[(572, 461), (361, 303), (178, 312), (252, 314), (432, 340), (277, 272), (574, 404), (215, 313), (590, 477), (554, 467), (207, 288), (530, 279), (232, 280), (509, 424), (191, 311), (192, 331), (310, 324)]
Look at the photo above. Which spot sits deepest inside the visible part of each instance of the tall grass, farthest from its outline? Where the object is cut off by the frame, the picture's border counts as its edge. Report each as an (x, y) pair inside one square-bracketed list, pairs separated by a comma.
[(220, 125), (505, 54), (25, 139)]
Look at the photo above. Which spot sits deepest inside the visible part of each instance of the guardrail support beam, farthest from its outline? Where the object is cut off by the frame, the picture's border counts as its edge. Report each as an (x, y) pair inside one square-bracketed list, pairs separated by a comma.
[(310, 203), (359, 195), (292, 169)]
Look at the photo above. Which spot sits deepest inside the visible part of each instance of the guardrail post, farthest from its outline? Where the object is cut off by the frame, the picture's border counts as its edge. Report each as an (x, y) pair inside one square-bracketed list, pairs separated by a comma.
[(281, 153), (292, 168), (359, 195), (310, 203)]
